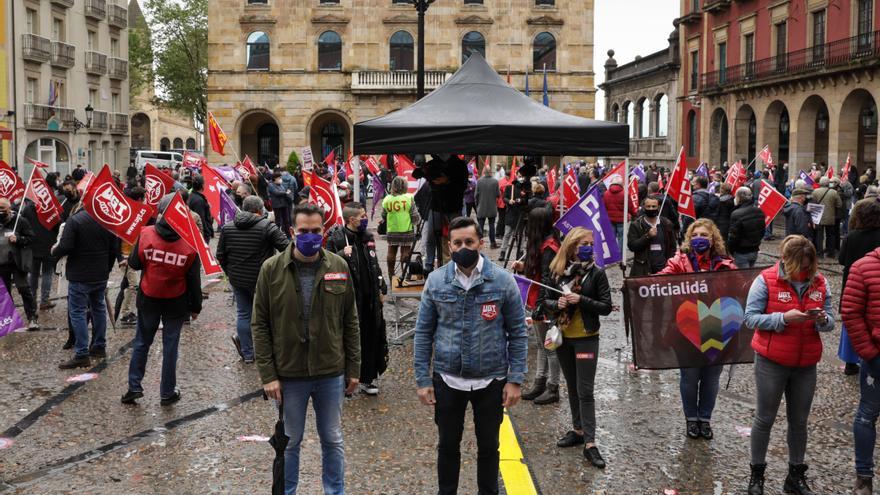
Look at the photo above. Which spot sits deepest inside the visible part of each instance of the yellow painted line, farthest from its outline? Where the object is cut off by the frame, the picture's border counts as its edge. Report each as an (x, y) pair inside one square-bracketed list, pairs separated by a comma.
[(514, 470)]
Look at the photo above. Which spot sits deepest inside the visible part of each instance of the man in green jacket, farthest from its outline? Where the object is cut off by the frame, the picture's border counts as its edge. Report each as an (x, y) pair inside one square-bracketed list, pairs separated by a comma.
[(307, 342)]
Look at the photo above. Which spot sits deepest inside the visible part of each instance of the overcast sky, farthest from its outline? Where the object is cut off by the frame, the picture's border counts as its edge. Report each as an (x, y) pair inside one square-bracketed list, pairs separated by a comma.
[(630, 28)]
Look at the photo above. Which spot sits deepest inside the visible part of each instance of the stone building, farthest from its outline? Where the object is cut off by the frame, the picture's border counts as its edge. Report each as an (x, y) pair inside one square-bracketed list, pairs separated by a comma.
[(154, 127), (70, 83), (283, 74), (6, 103), (643, 93), (799, 76)]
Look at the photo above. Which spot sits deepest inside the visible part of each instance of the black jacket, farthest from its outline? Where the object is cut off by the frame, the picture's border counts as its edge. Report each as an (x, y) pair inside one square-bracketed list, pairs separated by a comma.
[(706, 205), (595, 297), (43, 239), (855, 246), (725, 210), (798, 221), (21, 252), (244, 244), (91, 250), (179, 307), (638, 241), (669, 211), (198, 203), (518, 205), (746, 229)]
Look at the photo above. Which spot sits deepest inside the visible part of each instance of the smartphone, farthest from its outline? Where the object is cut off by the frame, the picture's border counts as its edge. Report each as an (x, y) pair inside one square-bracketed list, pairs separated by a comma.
[(814, 312)]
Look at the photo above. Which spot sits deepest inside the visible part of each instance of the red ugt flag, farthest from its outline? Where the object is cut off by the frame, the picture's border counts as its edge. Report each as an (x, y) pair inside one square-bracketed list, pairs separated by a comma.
[(11, 186), (323, 194), (770, 201), (157, 184), (551, 181), (570, 190), (215, 185), (371, 164), (680, 188), (178, 217), (47, 205), (116, 212), (218, 137), (766, 155), (736, 176)]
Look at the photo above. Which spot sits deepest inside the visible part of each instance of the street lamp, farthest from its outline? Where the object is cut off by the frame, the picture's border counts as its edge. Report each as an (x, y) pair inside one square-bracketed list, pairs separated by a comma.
[(421, 7), (77, 124)]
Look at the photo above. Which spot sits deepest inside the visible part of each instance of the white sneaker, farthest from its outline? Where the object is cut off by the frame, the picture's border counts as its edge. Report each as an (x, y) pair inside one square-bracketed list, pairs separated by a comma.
[(370, 388)]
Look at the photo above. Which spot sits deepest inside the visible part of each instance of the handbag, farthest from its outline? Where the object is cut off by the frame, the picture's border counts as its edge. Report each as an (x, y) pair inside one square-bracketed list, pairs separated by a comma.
[(553, 339), (382, 228)]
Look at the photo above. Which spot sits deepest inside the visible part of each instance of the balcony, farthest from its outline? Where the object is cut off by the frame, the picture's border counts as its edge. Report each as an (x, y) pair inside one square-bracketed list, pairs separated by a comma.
[(649, 146), (96, 9), (35, 48), (716, 6), (394, 81), (96, 63), (63, 3), (691, 18), (117, 16), (99, 121), (118, 123), (117, 68), (38, 116), (63, 55), (843, 53)]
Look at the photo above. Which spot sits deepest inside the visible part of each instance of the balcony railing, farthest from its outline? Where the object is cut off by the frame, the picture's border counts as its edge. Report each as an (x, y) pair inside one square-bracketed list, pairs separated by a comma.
[(63, 55), (716, 6), (394, 80), (649, 146), (99, 121), (117, 68), (38, 116), (35, 48), (814, 59), (96, 9), (118, 123), (63, 3), (96, 63), (117, 15)]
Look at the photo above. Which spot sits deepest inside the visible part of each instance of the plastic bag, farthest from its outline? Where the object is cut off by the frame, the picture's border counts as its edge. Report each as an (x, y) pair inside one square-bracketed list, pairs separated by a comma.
[(553, 339)]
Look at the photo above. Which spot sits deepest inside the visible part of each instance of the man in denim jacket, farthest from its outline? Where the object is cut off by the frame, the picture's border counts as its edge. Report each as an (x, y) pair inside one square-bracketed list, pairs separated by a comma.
[(471, 322)]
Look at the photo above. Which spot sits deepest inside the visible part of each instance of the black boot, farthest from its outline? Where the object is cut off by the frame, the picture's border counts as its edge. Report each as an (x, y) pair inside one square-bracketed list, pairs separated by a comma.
[(550, 396), (796, 481), (851, 369), (864, 485), (537, 389), (756, 481)]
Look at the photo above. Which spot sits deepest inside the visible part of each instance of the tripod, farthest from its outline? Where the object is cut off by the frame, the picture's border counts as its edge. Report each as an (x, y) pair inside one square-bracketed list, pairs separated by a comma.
[(407, 268), (516, 241)]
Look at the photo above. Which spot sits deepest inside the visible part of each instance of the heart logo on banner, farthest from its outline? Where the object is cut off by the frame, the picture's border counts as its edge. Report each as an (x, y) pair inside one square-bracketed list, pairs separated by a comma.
[(710, 328)]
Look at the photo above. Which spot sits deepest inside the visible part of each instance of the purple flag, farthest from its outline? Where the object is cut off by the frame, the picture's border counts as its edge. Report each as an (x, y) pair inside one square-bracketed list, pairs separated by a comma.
[(525, 284), (702, 170), (806, 178), (227, 209), (639, 172), (378, 194), (10, 320), (229, 173), (590, 214)]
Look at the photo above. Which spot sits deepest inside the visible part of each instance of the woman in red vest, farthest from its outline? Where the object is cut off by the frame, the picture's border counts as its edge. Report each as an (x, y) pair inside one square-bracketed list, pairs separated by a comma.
[(703, 250), (788, 305), (542, 245)]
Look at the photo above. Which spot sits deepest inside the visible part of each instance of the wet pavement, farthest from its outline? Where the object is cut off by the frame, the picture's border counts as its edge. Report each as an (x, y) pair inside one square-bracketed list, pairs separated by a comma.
[(77, 437)]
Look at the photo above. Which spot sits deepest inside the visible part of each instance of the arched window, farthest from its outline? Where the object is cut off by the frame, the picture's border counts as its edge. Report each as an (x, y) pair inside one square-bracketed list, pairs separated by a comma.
[(544, 52), (472, 42), (692, 133), (645, 118), (401, 51), (164, 144), (661, 123), (329, 51), (630, 116), (258, 51), (615, 113), (178, 143), (190, 143)]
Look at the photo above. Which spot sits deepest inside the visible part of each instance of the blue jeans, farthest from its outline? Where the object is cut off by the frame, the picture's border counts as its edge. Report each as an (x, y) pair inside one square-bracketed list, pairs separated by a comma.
[(699, 389), (745, 260), (326, 395), (244, 305), (147, 326), (82, 296), (864, 425), (482, 222), (42, 272), (618, 232)]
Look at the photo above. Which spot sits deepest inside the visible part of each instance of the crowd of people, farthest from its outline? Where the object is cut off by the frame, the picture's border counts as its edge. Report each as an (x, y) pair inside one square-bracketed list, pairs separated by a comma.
[(309, 297)]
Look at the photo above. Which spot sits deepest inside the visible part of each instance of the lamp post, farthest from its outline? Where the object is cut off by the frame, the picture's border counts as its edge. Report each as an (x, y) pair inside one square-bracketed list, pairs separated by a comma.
[(77, 124), (421, 7)]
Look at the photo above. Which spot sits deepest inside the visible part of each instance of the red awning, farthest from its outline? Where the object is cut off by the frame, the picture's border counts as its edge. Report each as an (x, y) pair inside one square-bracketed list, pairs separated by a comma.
[(5, 133)]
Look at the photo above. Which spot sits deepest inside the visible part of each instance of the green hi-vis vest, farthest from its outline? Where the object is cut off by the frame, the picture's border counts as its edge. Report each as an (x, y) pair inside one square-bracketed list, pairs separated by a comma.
[(398, 213)]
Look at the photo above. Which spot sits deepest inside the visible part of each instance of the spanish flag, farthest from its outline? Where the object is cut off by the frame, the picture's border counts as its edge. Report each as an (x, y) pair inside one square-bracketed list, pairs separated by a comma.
[(218, 137)]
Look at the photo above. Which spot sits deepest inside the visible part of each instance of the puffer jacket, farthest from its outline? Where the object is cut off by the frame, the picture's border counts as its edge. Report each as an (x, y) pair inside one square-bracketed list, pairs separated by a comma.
[(860, 305), (746, 228), (681, 263), (614, 198), (245, 243)]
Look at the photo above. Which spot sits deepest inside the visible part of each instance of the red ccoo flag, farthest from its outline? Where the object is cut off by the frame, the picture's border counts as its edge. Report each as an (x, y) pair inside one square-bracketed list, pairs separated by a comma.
[(11, 186), (770, 201), (248, 165), (116, 212), (736, 176), (37, 164), (349, 170), (633, 194), (680, 188), (618, 171), (178, 217), (371, 164), (405, 167), (323, 194), (157, 184), (551, 181), (218, 137), (766, 155), (570, 190), (45, 203)]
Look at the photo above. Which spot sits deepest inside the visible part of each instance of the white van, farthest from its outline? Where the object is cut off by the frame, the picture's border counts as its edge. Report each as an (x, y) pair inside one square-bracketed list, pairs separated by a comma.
[(157, 159)]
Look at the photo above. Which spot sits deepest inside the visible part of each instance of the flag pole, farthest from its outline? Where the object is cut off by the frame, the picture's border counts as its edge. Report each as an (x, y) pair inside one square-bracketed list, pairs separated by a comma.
[(28, 186), (674, 170), (626, 183)]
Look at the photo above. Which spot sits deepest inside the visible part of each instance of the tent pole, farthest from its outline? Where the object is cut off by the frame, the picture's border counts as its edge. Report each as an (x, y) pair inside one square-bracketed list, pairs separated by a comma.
[(626, 180)]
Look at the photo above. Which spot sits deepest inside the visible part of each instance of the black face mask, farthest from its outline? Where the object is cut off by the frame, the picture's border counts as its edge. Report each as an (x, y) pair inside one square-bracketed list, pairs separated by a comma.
[(466, 258), (652, 213)]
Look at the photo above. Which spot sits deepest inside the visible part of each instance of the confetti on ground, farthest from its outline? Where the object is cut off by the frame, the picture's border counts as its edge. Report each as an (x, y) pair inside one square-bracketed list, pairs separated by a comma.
[(670, 491), (5, 443), (744, 431), (81, 378), (252, 438)]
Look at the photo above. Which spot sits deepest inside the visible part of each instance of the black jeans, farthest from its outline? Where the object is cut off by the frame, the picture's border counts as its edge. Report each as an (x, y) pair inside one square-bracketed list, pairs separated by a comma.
[(578, 359), (449, 416), (11, 274)]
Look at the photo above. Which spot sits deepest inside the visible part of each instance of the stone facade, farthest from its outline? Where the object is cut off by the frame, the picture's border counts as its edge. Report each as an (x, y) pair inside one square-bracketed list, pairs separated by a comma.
[(798, 77), (284, 101), (643, 93)]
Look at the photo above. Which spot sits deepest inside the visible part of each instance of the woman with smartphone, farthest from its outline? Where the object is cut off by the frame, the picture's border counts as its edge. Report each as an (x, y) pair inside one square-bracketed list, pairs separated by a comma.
[(788, 305)]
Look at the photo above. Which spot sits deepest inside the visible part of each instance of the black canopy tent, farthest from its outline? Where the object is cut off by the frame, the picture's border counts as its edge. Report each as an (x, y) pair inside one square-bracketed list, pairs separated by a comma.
[(477, 112)]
